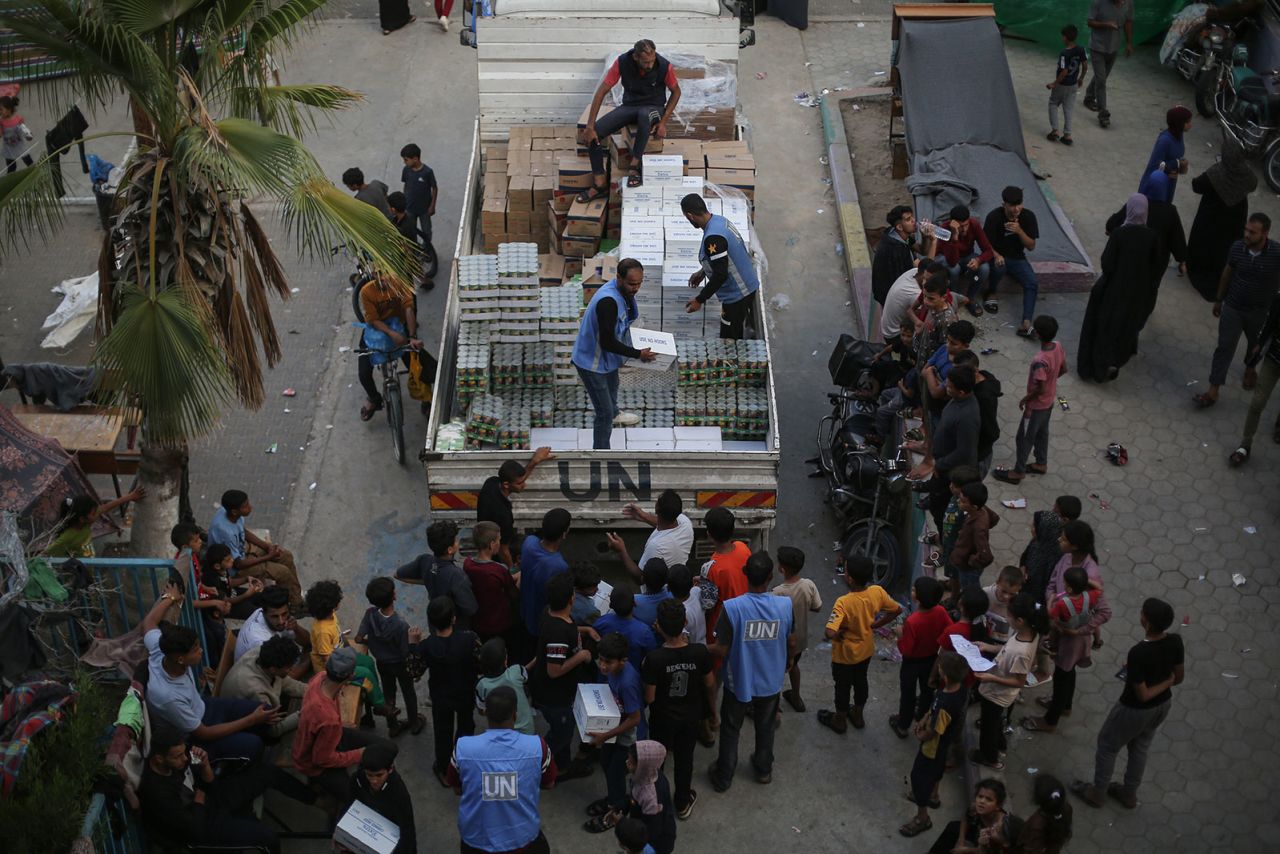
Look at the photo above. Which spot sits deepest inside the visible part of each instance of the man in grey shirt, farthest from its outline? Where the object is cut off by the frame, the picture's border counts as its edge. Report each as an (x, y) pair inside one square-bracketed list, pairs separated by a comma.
[(1107, 18), (373, 193), (955, 442)]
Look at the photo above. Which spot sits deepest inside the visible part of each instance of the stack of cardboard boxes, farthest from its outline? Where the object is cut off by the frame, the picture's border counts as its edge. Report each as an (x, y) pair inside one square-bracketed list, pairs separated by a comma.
[(519, 182)]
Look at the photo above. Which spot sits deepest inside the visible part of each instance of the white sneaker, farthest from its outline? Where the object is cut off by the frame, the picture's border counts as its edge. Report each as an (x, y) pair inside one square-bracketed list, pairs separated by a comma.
[(444, 23), (626, 419)]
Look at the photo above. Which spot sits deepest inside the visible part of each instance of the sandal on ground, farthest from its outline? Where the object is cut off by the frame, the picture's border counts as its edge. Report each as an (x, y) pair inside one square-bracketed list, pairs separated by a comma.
[(833, 721), (1037, 468), (595, 191), (1087, 793), (1238, 457), (1037, 725), (602, 823), (368, 411), (1053, 136), (634, 180), (975, 309), (934, 803), (915, 827), (595, 809), (1066, 139), (1025, 332), (991, 305), (1008, 475), (976, 757), (1203, 400)]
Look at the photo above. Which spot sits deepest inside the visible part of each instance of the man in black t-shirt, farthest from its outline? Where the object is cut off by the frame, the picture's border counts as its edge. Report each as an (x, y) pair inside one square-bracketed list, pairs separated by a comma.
[(420, 191), (679, 688), (1012, 231), (1153, 667), (561, 664), (494, 502)]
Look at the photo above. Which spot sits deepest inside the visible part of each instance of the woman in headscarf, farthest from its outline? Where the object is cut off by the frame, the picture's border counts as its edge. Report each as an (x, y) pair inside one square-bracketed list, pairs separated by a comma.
[(1121, 298), (651, 795), (1164, 220), (1224, 190), (394, 14), (1170, 148)]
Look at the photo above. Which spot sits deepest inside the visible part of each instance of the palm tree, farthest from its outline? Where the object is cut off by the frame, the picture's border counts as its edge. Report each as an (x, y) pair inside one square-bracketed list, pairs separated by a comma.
[(186, 270)]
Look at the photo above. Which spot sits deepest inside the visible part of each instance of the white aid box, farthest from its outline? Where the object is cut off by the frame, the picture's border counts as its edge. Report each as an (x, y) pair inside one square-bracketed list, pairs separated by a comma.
[(663, 345), (587, 438), (595, 711), (663, 169), (555, 438), (366, 832)]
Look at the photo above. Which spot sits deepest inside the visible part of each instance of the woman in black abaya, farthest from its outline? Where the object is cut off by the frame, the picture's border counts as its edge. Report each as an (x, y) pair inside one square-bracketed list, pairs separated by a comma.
[(1224, 190), (394, 14), (1164, 220), (1121, 298)]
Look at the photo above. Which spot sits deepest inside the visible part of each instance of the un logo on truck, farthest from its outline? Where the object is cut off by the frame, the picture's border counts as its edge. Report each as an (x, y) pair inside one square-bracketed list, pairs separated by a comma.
[(501, 785), (762, 630)]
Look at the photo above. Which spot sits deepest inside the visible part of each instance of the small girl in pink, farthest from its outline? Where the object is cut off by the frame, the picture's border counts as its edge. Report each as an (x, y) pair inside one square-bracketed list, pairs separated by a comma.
[(15, 133)]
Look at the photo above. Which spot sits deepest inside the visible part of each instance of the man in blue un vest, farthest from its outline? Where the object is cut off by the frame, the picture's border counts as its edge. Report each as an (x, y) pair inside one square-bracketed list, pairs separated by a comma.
[(499, 774), (756, 638), (604, 344), (646, 77), (727, 269)]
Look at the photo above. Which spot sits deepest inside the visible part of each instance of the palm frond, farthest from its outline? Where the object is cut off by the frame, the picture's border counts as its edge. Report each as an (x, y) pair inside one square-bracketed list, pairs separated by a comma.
[(278, 25), (292, 109), (29, 205), (243, 156), (143, 16), (159, 355), (322, 216)]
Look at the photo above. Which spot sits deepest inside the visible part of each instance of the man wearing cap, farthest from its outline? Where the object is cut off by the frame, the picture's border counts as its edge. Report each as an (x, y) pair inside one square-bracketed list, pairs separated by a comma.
[(968, 255), (603, 345), (1012, 231), (323, 749), (897, 252), (379, 786), (499, 775), (646, 77), (728, 271)]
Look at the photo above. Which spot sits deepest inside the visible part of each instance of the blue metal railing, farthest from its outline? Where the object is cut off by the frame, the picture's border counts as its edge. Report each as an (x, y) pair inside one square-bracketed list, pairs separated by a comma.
[(113, 828), (123, 591)]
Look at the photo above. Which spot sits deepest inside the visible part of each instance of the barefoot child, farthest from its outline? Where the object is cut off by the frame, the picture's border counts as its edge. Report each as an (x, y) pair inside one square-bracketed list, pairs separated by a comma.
[(804, 598)]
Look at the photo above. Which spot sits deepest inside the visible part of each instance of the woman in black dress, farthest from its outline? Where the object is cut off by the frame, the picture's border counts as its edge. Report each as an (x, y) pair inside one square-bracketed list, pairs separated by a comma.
[(1121, 298), (394, 14), (1224, 190)]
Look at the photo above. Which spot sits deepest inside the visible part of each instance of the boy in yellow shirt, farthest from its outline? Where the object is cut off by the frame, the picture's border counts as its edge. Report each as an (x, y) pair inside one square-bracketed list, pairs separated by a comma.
[(322, 600), (854, 619)]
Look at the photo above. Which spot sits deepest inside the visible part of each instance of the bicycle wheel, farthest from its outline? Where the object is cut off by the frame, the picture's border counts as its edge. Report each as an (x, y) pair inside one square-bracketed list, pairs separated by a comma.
[(430, 261), (872, 538), (395, 415)]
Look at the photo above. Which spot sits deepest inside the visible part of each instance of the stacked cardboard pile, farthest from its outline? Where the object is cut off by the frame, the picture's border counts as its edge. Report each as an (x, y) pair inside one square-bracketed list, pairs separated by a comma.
[(520, 179)]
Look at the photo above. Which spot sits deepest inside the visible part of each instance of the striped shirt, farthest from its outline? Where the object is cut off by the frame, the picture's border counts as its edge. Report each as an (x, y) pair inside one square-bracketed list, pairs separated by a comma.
[(1255, 276)]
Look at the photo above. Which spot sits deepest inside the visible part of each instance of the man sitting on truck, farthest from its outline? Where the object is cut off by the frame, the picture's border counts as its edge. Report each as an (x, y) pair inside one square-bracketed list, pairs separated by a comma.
[(727, 268), (645, 76), (601, 348)]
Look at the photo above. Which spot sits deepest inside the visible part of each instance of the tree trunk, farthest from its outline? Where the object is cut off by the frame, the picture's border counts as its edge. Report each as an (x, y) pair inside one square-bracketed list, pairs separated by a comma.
[(160, 474)]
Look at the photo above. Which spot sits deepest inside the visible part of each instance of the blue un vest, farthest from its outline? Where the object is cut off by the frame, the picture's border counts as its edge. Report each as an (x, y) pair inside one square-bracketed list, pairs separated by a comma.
[(587, 352), (758, 654), (501, 773), (742, 281)]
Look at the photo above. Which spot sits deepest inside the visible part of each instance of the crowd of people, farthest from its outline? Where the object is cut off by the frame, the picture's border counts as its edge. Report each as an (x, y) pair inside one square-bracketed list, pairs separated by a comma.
[(687, 651)]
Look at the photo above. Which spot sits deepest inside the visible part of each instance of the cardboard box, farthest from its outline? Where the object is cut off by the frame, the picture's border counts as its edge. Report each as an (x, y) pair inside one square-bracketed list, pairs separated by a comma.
[(736, 146), (586, 219), (741, 180), (663, 345), (731, 160), (556, 217), (542, 131), (520, 193), (366, 832), (493, 215), (573, 174), (543, 190), (663, 169), (594, 709), (550, 270), (579, 247), (519, 137), (555, 438), (617, 442)]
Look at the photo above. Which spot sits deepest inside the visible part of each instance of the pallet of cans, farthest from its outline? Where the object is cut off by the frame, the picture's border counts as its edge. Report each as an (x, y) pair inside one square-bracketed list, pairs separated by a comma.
[(472, 372), (722, 362), (571, 398), (484, 419), (631, 400), (659, 418), (513, 435), (751, 418), (539, 364), (753, 363), (691, 359), (506, 366), (519, 301), (576, 419), (478, 291)]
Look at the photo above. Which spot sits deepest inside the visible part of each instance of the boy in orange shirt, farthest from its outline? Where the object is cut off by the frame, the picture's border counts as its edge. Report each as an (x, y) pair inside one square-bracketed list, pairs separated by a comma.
[(725, 572), (854, 619)]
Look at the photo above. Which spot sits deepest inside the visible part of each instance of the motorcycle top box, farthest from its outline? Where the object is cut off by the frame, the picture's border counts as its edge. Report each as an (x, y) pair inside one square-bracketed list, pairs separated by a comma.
[(849, 359)]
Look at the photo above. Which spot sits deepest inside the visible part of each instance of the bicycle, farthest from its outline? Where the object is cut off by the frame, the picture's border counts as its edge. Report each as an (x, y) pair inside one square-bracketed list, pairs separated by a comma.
[(392, 369)]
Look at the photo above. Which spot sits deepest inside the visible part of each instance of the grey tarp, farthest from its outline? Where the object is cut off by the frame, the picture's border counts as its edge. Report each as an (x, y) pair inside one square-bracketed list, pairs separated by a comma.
[(968, 135)]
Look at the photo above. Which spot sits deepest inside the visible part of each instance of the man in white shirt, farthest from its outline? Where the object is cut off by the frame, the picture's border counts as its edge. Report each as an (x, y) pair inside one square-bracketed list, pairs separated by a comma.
[(272, 620), (671, 539), (902, 296)]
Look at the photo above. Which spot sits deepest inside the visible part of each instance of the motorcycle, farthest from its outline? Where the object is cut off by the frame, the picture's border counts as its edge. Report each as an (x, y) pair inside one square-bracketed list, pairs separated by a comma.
[(1248, 109), (1201, 39), (864, 486)]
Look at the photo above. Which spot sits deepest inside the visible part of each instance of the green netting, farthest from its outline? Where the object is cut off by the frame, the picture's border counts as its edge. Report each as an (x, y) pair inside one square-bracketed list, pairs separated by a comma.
[(1042, 20)]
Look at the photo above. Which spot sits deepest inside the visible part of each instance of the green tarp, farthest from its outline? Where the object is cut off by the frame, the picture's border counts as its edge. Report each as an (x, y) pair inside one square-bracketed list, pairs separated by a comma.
[(1042, 20)]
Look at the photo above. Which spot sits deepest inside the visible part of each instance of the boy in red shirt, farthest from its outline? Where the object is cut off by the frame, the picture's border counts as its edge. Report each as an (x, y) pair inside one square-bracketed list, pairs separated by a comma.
[(919, 647), (1049, 363), (968, 255), (495, 586), (725, 571)]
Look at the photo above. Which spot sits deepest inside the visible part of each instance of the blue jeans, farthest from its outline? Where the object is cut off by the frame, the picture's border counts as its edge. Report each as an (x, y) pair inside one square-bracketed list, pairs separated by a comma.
[(245, 744), (973, 281), (1019, 269), (560, 728), (602, 389)]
